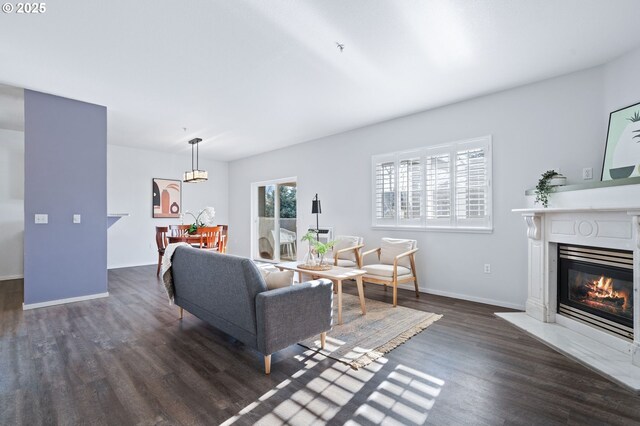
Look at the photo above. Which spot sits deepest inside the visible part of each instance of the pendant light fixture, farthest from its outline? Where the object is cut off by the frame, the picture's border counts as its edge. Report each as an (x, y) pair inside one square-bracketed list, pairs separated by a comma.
[(195, 175)]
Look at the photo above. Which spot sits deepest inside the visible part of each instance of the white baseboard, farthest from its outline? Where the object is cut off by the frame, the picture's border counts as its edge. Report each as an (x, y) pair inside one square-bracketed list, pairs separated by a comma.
[(26, 307), (466, 297), (131, 265), (11, 277)]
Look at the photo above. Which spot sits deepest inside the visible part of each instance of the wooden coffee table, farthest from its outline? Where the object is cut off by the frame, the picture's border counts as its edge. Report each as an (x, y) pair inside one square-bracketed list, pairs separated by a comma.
[(336, 274)]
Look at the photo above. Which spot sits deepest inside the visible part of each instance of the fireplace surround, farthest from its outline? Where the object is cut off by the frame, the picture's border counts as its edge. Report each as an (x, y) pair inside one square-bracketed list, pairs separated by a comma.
[(596, 217)]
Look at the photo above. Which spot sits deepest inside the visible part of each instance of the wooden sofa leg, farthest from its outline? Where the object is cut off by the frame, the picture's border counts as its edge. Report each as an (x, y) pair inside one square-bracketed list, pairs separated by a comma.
[(181, 312), (267, 364), (323, 339)]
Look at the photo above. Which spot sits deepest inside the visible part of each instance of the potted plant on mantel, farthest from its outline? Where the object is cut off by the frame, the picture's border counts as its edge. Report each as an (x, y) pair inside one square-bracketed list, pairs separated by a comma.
[(548, 181)]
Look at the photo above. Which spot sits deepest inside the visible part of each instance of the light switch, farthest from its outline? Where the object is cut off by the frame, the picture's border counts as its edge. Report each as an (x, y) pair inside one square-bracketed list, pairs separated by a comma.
[(76, 218), (41, 218)]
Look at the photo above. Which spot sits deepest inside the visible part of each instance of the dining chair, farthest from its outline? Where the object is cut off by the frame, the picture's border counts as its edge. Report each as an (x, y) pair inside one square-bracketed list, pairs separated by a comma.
[(161, 242), (211, 238), (396, 265), (179, 230), (224, 239)]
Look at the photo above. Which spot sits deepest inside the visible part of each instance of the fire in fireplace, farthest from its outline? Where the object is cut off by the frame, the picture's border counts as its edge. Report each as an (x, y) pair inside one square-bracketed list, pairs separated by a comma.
[(595, 285)]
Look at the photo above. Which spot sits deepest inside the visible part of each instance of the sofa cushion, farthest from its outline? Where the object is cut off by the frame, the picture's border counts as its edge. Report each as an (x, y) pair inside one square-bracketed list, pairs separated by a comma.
[(276, 279), (390, 248), (385, 270)]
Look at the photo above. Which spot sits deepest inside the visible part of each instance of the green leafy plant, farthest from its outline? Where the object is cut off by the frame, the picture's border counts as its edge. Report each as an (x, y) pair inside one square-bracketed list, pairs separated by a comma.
[(316, 246), (635, 117), (543, 189)]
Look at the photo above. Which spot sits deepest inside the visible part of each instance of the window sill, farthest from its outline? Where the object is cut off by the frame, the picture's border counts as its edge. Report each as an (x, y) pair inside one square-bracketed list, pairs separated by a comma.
[(453, 229)]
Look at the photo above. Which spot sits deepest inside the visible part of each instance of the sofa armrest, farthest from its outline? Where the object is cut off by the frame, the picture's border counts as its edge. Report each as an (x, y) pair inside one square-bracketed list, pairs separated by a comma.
[(289, 315)]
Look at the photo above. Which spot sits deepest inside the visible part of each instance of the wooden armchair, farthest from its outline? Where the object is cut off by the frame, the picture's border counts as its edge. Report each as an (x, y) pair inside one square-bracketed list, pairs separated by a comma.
[(396, 265), (346, 251)]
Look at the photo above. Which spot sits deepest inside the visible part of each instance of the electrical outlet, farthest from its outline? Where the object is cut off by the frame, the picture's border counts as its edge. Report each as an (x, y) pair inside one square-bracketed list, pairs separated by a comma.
[(76, 218), (587, 173), (41, 218), (487, 268)]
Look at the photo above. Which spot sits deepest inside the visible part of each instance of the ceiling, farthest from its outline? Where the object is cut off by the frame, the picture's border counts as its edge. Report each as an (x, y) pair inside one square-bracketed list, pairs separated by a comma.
[(249, 76)]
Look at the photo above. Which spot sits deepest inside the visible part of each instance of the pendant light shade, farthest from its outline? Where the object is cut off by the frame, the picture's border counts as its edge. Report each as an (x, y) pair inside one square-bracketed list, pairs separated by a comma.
[(195, 175)]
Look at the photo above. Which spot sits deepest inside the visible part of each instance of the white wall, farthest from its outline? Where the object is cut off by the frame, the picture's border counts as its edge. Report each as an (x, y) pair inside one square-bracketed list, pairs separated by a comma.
[(557, 123), (621, 85), (131, 240), (11, 204)]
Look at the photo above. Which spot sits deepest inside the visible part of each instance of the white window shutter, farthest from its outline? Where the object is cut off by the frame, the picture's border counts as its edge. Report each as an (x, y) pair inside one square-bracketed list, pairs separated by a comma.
[(472, 175), (438, 187), (410, 188), (385, 190)]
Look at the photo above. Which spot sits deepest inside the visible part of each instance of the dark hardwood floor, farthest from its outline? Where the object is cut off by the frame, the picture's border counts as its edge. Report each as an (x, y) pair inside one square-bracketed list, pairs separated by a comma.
[(128, 359)]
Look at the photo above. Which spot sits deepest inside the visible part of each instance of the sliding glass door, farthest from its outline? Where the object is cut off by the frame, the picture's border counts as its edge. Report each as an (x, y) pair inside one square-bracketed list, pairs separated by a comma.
[(274, 221)]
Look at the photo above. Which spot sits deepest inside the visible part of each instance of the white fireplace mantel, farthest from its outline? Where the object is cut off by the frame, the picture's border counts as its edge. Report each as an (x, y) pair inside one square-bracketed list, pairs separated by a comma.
[(581, 219)]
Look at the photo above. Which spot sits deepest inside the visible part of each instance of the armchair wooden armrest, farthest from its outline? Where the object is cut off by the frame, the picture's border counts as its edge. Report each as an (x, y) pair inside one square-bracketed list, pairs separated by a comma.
[(356, 252), (369, 252), (407, 253), (400, 256)]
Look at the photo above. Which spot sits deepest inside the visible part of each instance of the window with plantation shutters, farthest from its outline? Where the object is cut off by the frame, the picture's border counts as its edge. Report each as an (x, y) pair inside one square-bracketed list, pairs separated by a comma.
[(437, 187)]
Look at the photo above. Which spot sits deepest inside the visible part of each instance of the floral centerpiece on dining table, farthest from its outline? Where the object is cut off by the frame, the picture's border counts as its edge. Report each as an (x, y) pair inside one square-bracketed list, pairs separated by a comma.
[(204, 218)]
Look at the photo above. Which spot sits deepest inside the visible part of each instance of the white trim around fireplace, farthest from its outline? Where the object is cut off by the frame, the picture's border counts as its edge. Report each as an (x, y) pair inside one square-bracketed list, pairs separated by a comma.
[(580, 224)]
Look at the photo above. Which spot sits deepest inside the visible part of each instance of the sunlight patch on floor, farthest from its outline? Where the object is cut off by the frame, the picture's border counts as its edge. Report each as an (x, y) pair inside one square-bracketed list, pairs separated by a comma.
[(405, 396)]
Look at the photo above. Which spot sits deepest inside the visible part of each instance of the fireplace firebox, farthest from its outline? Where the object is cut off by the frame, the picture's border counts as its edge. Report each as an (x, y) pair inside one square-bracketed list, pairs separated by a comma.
[(595, 286)]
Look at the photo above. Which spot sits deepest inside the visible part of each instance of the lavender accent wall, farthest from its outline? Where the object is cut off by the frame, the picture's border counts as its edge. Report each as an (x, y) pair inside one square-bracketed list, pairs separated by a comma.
[(65, 174)]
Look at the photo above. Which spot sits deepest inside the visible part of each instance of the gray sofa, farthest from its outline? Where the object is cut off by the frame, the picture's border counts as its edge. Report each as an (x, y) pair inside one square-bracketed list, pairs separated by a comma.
[(229, 293)]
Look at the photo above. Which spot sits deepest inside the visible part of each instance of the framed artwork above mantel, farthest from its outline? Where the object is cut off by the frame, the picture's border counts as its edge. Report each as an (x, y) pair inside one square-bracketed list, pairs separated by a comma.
[(167, 198), (622, 151)]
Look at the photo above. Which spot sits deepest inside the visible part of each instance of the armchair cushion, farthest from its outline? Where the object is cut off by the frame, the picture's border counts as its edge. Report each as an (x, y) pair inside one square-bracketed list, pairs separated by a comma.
[(346, 263), (391, 247), (343, 242), (385, 270)]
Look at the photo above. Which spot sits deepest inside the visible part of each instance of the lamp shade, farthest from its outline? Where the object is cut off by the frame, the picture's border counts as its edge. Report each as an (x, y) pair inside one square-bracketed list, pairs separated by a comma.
[(315, 206), (195, 174)]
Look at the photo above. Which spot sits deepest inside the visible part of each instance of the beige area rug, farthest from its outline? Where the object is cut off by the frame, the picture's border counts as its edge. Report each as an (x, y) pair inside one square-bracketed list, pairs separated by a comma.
[(362, 339)]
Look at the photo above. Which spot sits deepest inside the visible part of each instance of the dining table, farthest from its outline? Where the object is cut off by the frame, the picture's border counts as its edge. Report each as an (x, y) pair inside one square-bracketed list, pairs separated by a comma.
[(185, 238)]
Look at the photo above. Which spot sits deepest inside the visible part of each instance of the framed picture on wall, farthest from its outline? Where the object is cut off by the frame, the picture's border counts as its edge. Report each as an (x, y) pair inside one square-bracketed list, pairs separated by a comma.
[(167, 198), (622, 152)]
